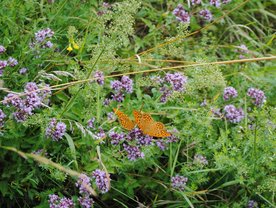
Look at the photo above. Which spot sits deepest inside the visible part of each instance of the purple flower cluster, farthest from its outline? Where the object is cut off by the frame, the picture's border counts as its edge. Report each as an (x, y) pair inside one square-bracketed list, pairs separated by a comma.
[(91, 123), (111, 116), (181, 15), (242, 50), (82, 183), (56, 202), (215, 3), (42, 38), (252, 204), (229, 92), (12, 62), (194, 2), (206, 15), (102, 180), (133, 152), (25, 105), (2, 117), (232, 114), (135, 140), (179, 182), (101, 134), (55, 130), (2, 49), (85, 201), (257, 95), (172, 82), (177, 80), (23, 70), (40, 152), (116, 138), (200, 159), (121, 87), (99, 77)]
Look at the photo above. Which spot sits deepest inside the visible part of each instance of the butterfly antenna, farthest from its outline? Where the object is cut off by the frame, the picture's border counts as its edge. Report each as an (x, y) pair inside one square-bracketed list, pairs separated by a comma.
[(142, 106)]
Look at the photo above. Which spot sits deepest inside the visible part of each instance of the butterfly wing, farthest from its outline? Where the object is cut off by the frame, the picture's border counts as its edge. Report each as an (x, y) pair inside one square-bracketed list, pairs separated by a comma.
[(159, 130), (124, 120)]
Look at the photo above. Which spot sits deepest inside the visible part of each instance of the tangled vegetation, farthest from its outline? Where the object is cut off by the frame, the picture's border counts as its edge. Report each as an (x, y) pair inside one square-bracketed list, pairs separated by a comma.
[(137, 103)]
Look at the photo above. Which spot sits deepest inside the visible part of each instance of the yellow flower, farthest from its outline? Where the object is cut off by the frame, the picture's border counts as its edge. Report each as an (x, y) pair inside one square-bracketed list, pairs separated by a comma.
[(76, 46), (69, 48)]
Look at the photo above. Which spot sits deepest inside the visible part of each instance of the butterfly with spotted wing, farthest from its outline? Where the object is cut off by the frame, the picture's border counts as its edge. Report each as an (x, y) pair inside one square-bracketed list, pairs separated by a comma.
[(145, 123)]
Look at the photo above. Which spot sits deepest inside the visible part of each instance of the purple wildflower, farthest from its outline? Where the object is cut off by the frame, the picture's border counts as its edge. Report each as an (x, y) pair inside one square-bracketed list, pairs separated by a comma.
[(119, 97), (3, 64), (85, 201), (233, 114), (41, 35), (48, 44), (144, 140), (252, 204), (257, 95), (56, 202), (116, 85), (157, 79), (166, 93), (106, 102), (216, 112), (133, 152), (127, 84), (229, 92), (179, 182), (55, 130), (177, 80), (53, 200), (2, 117), (45, 91), (215, 3), (22, 113), (200, 159), (33, 100), (2, 49), (161, 144), (206, 15), (116, 138), (134, 134), (82, 183), (181, 15), (101, 134), (31, 86), (99, 77), (13, 99), (204, 103), (40, 152), (102, 180), (12, 62), (91, 123), (66, 203), (111, 116), (23, 71), (196, 2), (242, 49)]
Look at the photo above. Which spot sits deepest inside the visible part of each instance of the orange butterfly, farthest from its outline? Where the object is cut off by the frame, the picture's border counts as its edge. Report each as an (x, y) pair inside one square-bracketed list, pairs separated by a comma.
[(124, 120), (145, 123)]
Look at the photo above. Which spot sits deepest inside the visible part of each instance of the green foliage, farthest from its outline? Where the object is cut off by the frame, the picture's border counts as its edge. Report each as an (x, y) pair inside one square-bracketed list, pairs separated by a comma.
[(110, 39)]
